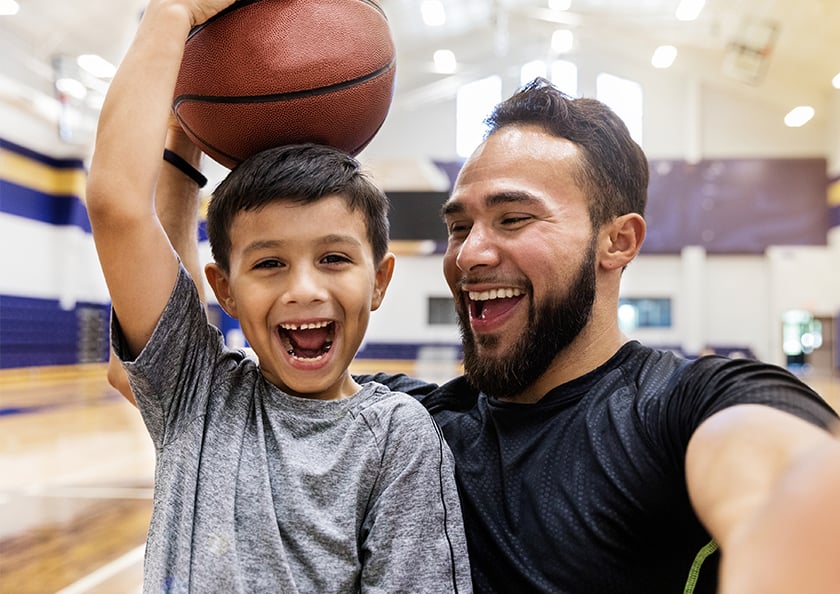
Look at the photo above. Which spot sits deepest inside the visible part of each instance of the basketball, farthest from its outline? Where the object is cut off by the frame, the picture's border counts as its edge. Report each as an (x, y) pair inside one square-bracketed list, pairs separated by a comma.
[(265, 73)]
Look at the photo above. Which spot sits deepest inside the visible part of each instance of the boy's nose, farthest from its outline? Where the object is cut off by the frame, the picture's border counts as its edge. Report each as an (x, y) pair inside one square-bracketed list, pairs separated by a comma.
[(306, 285)]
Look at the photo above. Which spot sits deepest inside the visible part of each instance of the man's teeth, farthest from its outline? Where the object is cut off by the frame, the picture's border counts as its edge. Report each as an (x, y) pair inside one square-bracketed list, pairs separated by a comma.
[(494, 294), (311, 326)]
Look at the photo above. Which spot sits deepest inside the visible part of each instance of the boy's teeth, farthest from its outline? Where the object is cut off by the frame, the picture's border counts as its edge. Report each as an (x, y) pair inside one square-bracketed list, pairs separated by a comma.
[(494, 294), (319, 357), (310, 326)]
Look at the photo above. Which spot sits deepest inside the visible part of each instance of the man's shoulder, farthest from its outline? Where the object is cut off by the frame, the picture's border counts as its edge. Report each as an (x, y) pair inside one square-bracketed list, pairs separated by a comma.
[(455, 395), (649, 365)]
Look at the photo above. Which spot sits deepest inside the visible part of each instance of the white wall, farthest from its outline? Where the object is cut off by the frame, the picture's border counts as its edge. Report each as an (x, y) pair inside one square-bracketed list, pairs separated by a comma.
[(402, 316), (716, 300), (48, 262), (737, 126)]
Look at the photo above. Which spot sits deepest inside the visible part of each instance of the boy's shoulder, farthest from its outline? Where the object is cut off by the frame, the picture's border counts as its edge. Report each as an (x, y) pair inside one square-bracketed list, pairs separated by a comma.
[(376, 395), (386, 407)]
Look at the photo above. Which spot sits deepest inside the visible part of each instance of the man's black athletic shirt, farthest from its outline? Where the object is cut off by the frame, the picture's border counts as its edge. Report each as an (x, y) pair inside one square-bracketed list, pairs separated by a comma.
[(585, 491)]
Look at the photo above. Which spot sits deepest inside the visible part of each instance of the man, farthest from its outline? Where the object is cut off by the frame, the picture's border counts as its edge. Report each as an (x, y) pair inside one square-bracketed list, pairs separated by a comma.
[(585, 461)]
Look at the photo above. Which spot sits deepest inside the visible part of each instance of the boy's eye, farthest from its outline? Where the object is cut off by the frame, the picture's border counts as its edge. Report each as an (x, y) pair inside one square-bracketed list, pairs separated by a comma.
[(335, 259), (267, 264)]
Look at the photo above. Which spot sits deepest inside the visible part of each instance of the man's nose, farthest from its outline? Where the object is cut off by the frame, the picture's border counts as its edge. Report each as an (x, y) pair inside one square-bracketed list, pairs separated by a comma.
[(478, 249)]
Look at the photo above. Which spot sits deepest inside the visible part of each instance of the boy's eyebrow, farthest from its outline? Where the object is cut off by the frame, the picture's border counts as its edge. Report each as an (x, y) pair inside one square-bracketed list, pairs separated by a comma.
[(338, 238), (451, 207), (268, 244), (262, 244)]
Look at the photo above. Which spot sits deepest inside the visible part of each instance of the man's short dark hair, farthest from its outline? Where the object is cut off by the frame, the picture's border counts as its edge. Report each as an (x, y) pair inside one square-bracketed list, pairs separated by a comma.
[(614, 168)]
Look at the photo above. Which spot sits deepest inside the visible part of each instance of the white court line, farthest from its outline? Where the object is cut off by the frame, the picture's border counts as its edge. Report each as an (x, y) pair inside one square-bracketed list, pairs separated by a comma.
[(105, 572), (89, 492)]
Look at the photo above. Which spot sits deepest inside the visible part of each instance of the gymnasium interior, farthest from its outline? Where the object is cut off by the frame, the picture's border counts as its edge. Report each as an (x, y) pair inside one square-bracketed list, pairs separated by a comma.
[(735, 102)]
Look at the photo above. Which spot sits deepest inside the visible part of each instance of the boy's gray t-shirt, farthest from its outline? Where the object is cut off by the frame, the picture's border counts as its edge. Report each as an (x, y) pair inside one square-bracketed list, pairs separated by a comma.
[(258, 491)]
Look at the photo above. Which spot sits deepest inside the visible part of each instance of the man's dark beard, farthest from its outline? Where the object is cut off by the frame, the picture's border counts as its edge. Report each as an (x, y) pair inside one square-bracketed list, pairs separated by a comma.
[(552, 326)]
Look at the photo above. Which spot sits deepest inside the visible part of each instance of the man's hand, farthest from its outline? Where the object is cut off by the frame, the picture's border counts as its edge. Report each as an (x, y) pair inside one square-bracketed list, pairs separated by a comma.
[(793, 543)]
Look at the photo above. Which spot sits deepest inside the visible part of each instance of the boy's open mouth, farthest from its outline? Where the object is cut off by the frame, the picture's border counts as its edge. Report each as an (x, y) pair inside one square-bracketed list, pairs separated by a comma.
[(307, 342)]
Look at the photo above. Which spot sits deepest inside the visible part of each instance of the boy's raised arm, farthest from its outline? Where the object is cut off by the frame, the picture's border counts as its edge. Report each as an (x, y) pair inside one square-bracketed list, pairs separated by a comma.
[(137, 259)]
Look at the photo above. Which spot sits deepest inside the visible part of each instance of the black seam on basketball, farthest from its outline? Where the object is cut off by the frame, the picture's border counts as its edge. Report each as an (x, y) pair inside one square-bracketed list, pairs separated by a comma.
[(212, 147), (285, 96), (359, 148), (220, 152)]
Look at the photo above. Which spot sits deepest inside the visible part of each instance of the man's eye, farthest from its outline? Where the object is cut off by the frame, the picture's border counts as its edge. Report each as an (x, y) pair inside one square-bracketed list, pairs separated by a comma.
[(515, 219), (458, 228)]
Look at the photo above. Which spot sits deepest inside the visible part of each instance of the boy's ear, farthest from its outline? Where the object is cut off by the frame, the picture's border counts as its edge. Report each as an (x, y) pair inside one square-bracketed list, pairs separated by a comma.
[(624, 237), (384, 272), (218, 280)]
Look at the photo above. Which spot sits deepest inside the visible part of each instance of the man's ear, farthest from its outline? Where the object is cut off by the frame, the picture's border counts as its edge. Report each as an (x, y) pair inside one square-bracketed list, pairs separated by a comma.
[(384, 272), (624, 237), (220, 284)]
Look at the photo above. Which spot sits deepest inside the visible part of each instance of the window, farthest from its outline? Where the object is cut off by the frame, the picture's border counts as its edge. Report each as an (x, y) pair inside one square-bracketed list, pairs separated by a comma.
[(563, 74), (531, 70), (644, 312), (625, 98), (473, 104), (442, 311)]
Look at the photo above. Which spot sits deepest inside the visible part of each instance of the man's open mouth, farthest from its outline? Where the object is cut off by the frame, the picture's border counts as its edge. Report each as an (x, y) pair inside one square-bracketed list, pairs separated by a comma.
[(486, 305), (307, 342)]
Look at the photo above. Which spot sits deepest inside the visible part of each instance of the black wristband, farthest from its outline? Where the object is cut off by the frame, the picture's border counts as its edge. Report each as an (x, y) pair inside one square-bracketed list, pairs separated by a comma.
[(178, 161)]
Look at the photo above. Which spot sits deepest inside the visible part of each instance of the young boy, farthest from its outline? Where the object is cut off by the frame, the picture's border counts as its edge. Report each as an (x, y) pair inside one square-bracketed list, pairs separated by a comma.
[(284, 476)]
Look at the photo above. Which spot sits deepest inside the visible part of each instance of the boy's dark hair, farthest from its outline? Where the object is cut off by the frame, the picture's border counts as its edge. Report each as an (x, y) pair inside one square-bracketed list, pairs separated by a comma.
[(614, 168), (301, 173)]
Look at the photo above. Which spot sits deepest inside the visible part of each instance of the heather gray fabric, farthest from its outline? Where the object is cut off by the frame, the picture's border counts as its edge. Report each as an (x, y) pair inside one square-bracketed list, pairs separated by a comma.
[(260, 491)]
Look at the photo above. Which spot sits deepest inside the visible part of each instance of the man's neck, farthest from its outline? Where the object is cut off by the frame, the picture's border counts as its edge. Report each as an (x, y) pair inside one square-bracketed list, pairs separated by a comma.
[(592, 348)]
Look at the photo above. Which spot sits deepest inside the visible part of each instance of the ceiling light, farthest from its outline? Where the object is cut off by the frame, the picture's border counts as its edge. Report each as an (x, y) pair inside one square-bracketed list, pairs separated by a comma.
[(835, 82), (799, 116), (96, 65), (689, 10), (433, 12), (664, 56), (560, 4), (562, 41), (445, 61), (8, 7), (71, 87)]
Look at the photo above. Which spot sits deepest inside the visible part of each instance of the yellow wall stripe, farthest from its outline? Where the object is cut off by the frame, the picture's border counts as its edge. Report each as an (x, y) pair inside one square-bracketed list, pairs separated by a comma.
[(834, 193), (29, 173)]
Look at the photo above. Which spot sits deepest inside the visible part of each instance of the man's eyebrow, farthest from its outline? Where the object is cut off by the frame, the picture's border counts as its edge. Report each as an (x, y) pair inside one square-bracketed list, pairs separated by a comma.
[(451, 207)]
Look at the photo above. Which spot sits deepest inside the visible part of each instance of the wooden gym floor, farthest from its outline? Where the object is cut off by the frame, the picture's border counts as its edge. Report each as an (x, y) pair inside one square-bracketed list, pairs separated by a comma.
[(76, 474)]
